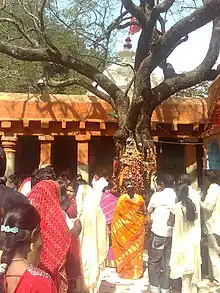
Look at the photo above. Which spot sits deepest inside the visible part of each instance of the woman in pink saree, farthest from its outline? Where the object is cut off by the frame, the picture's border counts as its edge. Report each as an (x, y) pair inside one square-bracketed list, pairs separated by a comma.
[(108, 204)]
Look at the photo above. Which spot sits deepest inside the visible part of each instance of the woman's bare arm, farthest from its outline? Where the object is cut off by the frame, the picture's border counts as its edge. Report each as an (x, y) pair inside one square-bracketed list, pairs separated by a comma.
[(77, 228)]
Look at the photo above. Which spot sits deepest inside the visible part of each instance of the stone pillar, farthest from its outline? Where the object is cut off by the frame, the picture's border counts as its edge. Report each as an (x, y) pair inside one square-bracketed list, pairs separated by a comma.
[(45, 149), (191, 164), (9, 146), (83, 155)]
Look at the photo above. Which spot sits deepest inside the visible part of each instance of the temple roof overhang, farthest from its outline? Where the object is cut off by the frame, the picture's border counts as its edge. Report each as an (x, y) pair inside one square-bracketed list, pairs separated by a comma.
[(69, 108)]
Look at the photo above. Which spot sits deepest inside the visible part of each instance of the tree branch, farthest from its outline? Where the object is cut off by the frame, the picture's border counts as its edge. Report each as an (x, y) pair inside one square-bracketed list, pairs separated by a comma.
[(42, 27), (183, 81), (172, 38), (148, 30), (80, 66), (164, 6), (83, 83), (202, 73), (134, 11), (3, 5), (20, 30)]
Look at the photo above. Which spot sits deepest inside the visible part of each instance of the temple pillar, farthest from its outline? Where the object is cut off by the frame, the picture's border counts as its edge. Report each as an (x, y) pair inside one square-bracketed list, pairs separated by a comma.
[(45, 149), (190, 159), (9, 146), (83, 155)]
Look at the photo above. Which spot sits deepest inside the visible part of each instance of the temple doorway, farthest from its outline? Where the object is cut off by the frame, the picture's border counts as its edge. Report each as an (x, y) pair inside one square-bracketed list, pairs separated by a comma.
[(101, 154), (170, 157), (64, 155), (27, 155)]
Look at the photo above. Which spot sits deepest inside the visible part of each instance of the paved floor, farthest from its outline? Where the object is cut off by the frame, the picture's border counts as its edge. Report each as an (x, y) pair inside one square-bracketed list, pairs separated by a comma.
[(113, 284)]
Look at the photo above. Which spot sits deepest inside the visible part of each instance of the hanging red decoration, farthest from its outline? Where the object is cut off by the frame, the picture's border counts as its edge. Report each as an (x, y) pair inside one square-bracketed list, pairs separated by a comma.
[(134, 27)]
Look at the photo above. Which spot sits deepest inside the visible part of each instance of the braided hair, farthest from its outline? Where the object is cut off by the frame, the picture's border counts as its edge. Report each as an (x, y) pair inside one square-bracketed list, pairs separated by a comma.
[(183, 196), (25, 220)]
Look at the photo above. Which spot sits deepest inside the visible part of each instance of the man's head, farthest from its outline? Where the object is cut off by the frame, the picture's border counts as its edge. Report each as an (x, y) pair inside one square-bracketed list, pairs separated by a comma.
[(167, 181), (185, 179), (80, 180), (105, 174), (211, 176)]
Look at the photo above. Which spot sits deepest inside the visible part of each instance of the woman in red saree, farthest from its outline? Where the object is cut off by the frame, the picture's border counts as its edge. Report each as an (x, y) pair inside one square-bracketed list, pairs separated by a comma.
[(128, 232), (108, 205), (55, 234), (20, 232)]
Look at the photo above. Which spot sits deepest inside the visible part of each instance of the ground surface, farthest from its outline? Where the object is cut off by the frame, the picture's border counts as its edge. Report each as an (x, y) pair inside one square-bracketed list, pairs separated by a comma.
[(113, 284)]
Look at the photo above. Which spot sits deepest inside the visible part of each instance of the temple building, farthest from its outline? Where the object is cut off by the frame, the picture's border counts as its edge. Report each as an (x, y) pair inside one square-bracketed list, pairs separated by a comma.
[(76, 133)]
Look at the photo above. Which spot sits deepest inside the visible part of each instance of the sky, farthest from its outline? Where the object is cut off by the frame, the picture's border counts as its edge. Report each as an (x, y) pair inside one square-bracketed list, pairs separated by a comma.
[(189, 54)]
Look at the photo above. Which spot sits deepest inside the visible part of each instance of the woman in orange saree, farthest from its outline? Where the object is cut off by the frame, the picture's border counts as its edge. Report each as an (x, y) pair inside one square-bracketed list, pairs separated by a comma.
[(128, 233)]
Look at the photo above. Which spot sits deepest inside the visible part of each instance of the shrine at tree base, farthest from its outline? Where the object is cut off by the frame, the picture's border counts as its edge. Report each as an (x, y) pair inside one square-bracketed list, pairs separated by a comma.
[(76, 133), (211, 137)]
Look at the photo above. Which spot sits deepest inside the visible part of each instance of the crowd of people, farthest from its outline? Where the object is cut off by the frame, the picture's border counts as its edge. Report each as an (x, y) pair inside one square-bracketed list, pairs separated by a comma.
[(58, 235), (180, 220)]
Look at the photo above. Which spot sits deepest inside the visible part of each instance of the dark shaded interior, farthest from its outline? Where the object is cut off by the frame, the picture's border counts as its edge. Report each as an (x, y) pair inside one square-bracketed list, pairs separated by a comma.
[(170, 157), (64, 155), (27, 155), (101, 154)]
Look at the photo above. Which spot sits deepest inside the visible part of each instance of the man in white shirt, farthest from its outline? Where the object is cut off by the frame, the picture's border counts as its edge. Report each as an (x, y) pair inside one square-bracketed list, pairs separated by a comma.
[(159, 251), (100, 184), (211, 211)]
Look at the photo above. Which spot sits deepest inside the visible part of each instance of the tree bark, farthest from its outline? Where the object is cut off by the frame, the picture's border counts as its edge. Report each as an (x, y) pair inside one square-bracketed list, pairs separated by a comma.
[(136, 159)]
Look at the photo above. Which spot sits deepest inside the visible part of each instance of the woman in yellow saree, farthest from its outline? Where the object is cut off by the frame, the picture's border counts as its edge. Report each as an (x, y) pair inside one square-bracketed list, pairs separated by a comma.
[(128, 231)]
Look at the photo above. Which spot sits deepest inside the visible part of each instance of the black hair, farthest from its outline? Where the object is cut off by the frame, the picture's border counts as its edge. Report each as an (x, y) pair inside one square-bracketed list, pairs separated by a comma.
[(182, 191), (109, 186), (185, 179), (10, 198), (63, 183), (3, 180), (64, 202), (168, 180), (65, 175), (159, 178), (81, 182), (78, 177), (15, 179), (46, 173), (26, 219), (2, 162), (211, 175), (104, 173)]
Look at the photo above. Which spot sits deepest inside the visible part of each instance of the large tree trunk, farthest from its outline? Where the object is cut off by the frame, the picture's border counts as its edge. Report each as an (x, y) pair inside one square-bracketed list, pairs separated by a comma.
[(136, 156)]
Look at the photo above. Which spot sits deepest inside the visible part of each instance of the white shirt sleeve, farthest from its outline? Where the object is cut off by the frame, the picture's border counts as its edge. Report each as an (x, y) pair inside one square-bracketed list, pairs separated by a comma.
[(151, 205), (69, 222), (211, 196)]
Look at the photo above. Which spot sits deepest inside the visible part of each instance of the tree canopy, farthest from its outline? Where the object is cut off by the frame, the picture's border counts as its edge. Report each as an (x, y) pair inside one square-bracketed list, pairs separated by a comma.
[(69, 26)]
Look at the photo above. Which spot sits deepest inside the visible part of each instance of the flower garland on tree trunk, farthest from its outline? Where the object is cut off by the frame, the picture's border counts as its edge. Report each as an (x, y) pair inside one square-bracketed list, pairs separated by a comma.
[(137, 166)]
